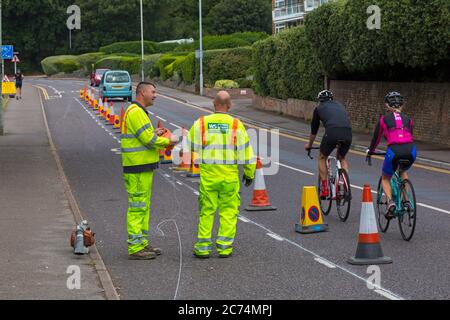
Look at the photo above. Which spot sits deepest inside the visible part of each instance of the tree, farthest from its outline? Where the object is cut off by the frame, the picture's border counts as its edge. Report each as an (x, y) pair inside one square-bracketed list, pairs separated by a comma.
[(230, 16)]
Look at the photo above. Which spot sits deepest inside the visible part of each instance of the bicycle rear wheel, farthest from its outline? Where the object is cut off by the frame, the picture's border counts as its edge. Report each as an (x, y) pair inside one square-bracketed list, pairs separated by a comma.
[(382, 205), (343, 195), (408, 214), (325, 204)]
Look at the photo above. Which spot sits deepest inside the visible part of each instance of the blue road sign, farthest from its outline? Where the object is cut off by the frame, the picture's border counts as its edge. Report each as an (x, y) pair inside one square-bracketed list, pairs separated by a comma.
[(7, 52)]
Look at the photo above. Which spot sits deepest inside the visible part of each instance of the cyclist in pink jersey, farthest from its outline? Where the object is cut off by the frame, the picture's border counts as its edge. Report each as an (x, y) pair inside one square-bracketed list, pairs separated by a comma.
[(397, 128)]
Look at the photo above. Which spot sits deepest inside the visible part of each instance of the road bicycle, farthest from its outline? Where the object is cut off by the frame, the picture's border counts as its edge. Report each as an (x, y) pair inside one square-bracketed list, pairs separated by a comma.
[(404, 198), (338, 184)]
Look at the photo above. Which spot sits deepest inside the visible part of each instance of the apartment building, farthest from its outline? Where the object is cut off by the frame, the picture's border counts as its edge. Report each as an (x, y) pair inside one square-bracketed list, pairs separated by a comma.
[(288, 13)]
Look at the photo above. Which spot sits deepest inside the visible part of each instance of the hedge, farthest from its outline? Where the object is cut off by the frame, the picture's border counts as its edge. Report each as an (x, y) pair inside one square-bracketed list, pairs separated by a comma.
[(285, 66), (134, 47), (226, 84), (57, 64), (185, 68), (88, 59), (413, 36), (130, 63), (230, 64)]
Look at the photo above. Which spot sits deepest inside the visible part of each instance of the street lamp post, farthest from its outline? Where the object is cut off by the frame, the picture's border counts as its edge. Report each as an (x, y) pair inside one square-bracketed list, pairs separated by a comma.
[(201, 46), (142, 43)]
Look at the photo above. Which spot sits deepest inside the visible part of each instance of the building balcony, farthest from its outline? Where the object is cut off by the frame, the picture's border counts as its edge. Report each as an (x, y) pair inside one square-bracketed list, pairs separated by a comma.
[(288, 13)]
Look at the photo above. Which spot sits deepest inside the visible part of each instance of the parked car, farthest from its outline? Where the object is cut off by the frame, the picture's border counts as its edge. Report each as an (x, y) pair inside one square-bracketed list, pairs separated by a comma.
[(96, 77), (116, 84)]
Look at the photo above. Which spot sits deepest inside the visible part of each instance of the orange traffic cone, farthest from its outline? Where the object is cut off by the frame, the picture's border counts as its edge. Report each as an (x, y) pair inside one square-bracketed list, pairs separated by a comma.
[(107, 112), (112, 115), (95, 104), (161, 152), (81, 93), (260, 201), (86, 94), (167, 157), (311, 220), (194, 170), (105, 106), (369, 249), (100, 106), (184, 156), (122, 114)]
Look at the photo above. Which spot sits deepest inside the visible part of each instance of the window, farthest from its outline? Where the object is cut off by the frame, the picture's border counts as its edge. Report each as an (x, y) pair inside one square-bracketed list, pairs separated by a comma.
[(117, 77)]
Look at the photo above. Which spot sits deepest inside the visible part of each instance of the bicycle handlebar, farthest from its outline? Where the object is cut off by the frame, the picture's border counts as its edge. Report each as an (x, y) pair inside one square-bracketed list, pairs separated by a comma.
[(374, 153), (309, 151)]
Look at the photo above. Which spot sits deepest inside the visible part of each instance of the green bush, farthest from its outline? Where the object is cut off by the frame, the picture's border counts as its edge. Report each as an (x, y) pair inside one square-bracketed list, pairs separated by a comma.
[(166, 47), (164, 61), (88, 59), (285, 66), (57, 64), (226, 84), (412, 42), (150, 65), (230, 64), (187, 69), (133, 47), (132, 64)]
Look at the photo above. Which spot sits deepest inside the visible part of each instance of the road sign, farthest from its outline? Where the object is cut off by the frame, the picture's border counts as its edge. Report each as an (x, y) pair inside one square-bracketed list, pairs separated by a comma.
[(15, 59), (7, 52)]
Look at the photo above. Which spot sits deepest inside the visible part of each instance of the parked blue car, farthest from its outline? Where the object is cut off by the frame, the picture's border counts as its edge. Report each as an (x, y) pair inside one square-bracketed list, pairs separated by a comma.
[(116, 84)]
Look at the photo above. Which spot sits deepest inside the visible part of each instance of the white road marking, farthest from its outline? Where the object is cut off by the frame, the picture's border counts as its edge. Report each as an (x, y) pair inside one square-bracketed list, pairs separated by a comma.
[(386, 294), (172, 124), (161, 118), (318, 256), (275, 236), (432, 208), (295, 169), (326, 263), (243, 219)]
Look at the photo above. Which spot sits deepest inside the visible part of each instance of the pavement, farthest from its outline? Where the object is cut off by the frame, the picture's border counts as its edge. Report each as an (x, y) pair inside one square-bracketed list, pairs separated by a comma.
[(36, 215), (271, 260)]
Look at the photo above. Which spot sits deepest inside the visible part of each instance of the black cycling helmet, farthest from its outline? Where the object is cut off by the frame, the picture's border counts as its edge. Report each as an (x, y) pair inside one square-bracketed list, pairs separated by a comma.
[(394, 99), (325, 95)]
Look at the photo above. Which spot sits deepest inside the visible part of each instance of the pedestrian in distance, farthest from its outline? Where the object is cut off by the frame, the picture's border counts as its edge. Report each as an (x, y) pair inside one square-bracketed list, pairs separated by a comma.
[(19, 79)]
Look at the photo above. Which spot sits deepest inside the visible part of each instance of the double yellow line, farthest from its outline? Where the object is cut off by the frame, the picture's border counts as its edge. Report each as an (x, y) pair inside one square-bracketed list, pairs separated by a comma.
[(44, 92)]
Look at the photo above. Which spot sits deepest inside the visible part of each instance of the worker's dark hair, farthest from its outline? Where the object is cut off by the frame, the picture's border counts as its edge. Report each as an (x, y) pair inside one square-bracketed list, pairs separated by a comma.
[(143, 84)]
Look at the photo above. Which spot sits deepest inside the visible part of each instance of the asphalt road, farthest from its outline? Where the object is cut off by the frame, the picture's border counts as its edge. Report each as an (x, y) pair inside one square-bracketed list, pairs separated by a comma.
[(270, 260)]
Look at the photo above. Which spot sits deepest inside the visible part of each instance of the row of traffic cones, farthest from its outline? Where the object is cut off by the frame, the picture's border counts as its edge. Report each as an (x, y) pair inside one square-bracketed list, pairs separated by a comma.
[(102, 108)]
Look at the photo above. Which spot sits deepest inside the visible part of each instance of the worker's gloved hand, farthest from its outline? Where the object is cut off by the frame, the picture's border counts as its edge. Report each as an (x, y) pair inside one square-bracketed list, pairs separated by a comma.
[(247, 182)]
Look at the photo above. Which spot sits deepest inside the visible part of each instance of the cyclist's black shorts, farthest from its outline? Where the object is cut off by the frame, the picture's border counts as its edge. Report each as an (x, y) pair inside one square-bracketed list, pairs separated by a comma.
[(331, 138)]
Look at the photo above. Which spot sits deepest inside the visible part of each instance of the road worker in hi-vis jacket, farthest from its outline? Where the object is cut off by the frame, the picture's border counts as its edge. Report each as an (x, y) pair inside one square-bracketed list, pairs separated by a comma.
[(140, 156), (221, 144)]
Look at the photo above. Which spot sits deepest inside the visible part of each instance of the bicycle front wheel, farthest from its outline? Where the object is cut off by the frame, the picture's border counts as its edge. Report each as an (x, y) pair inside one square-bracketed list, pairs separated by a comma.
[(343, 195), (325, 204), (382, 205), (408, 214)]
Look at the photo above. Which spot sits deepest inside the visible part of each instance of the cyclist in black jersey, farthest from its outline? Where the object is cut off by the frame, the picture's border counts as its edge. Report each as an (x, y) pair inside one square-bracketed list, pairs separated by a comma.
[(337, 125)]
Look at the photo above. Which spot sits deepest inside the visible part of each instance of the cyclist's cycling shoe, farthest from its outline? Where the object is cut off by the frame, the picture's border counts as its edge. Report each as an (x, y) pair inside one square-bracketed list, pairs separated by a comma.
[(324, 192), (390, 210)]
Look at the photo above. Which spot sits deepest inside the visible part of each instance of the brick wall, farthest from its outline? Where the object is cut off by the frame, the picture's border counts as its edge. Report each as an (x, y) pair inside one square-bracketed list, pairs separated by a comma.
[(292, 107), (427, 103)]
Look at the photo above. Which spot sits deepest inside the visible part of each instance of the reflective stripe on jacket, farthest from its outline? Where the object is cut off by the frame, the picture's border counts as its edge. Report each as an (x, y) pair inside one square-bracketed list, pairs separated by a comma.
[(140, 145)]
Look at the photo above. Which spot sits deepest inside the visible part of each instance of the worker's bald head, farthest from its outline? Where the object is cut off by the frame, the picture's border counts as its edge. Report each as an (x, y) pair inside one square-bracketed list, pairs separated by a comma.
[(222, 101)]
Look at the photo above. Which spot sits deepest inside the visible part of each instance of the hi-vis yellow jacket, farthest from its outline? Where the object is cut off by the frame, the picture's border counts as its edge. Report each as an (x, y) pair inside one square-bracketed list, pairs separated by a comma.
[(221, 143), (140, 145)]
